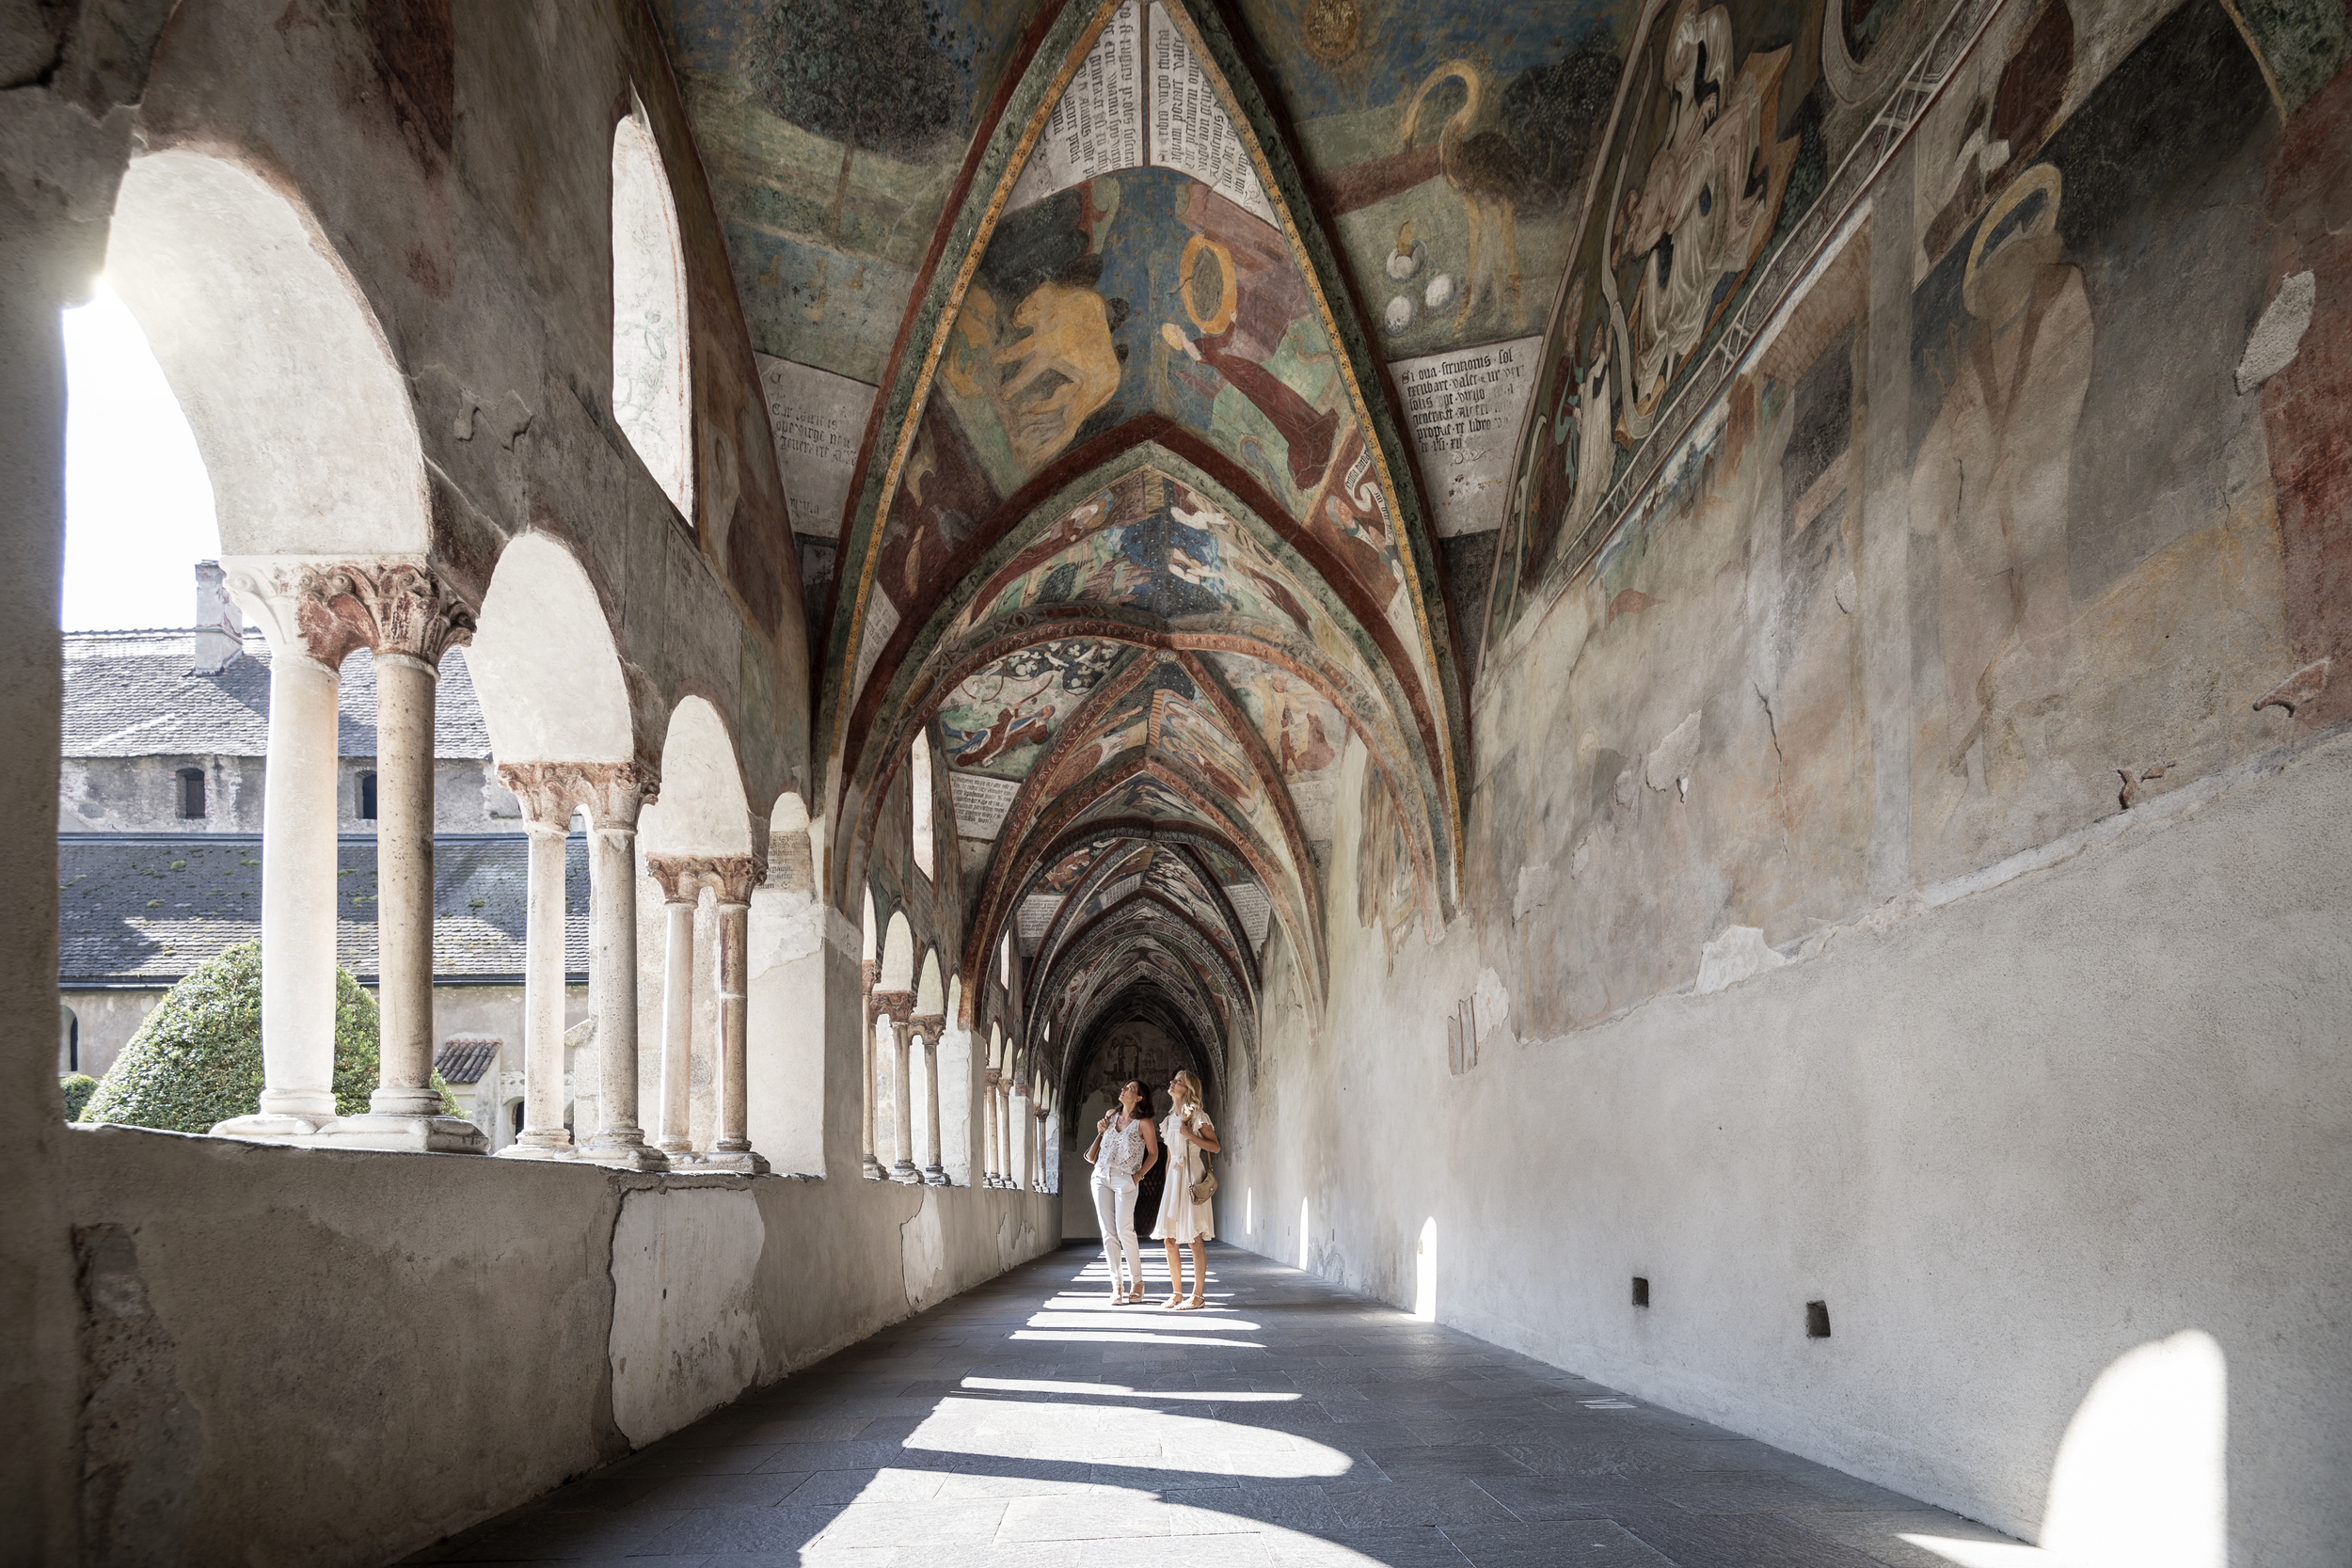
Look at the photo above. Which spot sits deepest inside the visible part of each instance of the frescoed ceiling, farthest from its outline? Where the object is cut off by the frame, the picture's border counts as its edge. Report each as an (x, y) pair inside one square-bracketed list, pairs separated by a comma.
[(1145, 376)]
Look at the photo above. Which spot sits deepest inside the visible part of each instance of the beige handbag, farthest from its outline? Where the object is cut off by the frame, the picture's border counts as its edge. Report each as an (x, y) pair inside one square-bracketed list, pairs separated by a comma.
[(1206, 1187)]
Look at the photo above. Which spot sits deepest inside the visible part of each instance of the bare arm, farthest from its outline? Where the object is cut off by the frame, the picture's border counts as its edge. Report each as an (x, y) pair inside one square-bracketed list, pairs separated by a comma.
[(1151, 1149), (1203, 1135)]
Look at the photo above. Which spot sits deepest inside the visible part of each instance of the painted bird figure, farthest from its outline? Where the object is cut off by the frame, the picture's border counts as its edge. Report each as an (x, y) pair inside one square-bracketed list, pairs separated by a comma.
[(1489, 173)]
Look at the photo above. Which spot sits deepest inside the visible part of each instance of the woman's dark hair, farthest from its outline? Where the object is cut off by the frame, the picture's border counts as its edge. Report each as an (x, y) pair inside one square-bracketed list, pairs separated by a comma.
[(1144, 1106)]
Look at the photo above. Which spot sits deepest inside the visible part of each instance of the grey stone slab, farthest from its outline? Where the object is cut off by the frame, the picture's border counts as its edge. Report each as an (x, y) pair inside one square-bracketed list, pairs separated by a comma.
[(1096, 1518), (841, 1488), (812, 1429), (549, 1537), (1294, 1508), (1739, 1492), (1583, 1542), (1878, 1535), (1417, 1502), (669, 1460), (1739, 1541), (740, 1529), (1421, 1547), (944, 1526), (1473, 1461), (729, 1491), (1545, 1497)]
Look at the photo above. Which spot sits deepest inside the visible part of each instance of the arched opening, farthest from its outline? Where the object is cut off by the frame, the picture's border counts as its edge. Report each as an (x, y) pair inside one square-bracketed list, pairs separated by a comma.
[(191, 803), (652, 395), (700, 822), (957, 1081), (1425, 1273), (785, 988), (132, 530), (919, 782)]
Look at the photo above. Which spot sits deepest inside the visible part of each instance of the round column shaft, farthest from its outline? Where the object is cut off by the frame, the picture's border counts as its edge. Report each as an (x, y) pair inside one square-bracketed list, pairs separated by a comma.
[(543, 1134), (613, 986), (677, 1024)]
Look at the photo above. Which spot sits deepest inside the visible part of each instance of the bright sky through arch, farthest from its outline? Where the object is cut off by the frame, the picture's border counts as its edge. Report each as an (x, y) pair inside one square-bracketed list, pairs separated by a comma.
[(138, 506)]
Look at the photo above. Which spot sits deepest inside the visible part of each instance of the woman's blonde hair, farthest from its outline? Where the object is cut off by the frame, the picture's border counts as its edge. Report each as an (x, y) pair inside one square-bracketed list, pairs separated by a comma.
[(1192, 1088)]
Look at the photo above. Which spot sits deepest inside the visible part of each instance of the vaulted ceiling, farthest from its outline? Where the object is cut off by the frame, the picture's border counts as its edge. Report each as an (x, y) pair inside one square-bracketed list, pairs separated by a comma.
[(1088, 310)]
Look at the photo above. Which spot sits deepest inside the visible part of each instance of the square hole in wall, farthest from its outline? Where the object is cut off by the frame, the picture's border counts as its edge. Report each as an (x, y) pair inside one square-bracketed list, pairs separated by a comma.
[(1816, 1320), (1641, 1291)]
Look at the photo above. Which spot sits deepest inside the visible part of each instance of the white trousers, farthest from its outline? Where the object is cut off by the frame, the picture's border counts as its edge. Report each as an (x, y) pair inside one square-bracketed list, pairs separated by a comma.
[(1115, 1210)]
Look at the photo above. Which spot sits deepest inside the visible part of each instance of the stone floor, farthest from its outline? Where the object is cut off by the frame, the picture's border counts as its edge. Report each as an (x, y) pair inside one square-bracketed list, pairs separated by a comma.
[(1028, 1422)]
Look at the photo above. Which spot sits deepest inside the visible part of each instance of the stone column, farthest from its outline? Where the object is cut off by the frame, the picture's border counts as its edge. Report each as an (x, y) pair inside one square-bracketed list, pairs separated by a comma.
[(547, 792), (734, 877), (1017, 1119), (298, 885), (1037, 1150), (681, 883), (1004, 1134), (614, 793), (872, 1166), (899, 1005), (929, 1027), (988, 1131), (410, 620)]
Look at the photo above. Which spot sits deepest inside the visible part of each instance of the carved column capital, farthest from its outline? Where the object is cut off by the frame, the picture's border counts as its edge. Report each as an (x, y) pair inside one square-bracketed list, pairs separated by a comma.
[(546, 790), (392, 607), (612, 793), (899, 1005), (995, 1079), (928, 1025), (733, 877), (680, 876), (871, 970)]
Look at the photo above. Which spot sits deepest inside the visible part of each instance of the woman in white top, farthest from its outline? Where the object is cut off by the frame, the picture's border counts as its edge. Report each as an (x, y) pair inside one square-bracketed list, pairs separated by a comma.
[(1190, 1138), (1123, 1149)]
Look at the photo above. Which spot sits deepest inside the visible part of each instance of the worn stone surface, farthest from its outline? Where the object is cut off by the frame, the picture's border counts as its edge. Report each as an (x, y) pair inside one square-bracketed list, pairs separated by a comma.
[(1025, 1421)]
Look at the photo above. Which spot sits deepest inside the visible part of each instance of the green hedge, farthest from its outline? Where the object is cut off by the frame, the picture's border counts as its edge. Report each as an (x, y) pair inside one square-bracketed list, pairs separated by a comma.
[(78, 1087), (197, 1060)]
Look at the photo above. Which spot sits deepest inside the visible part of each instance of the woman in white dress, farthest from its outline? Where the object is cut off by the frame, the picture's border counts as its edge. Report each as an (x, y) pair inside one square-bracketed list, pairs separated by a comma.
[(1190, 1138), (1123, 1149)]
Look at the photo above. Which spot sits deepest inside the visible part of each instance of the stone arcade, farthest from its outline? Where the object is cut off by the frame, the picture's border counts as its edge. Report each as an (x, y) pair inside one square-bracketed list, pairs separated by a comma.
[(1693, 654)]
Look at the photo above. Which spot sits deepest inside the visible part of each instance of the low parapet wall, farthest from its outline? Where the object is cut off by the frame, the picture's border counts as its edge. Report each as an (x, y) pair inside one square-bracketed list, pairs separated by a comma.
[(315, 1356)]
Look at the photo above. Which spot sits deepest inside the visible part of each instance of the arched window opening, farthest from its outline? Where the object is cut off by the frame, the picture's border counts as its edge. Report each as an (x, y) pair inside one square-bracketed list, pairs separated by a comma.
[(1003, 962), (651, 395), (69, 1040), (919, 774), (366, 797), (191, 793), (132, 530)]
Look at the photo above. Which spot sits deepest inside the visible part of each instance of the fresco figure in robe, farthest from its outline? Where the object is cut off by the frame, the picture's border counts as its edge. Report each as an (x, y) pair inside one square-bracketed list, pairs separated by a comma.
[(1990, 481), (1030, 724)]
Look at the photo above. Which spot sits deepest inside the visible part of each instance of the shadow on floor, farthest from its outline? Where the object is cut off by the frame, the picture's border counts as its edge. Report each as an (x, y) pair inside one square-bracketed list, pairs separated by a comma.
[(1029, 1422)]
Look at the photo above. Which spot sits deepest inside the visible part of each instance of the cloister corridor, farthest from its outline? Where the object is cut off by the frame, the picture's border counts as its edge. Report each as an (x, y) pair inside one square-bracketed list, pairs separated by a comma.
[(1028, 1422)]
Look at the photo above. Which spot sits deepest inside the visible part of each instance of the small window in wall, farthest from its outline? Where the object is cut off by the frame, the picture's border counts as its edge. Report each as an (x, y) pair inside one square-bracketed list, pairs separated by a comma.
[(366, 797), (919, 771), (1003, 962), (651, 398), (191, 790)]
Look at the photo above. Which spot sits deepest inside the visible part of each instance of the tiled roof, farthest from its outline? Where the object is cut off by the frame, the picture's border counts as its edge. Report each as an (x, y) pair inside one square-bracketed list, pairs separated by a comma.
[(130, 695), (147, 908), (466, 1057)]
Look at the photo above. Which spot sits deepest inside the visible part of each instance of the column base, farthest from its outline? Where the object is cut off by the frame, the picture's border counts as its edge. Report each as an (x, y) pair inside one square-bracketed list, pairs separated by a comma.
[(620, 1156), (934, 1177), (265, 1127), (742, 1161), (871, 1169), (434, 1135), (904, 1171), (519, 1150)]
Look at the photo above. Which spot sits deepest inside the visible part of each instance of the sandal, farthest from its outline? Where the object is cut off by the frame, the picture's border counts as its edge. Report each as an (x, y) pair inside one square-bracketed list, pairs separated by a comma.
[(1191, 1304)]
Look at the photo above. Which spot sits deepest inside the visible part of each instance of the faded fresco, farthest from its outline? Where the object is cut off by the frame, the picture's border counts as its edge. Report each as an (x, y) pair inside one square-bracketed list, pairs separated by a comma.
[(1452, 147), (1001, 720), (2005, 530)]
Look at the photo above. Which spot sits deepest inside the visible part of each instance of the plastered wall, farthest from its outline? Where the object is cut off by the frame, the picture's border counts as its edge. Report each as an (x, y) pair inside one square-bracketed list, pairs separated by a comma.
[(2007, 1140)]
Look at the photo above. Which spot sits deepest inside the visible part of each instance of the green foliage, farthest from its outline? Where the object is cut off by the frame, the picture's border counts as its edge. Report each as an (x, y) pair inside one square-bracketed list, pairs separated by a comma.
[(196, 1061), (78, 1087)]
